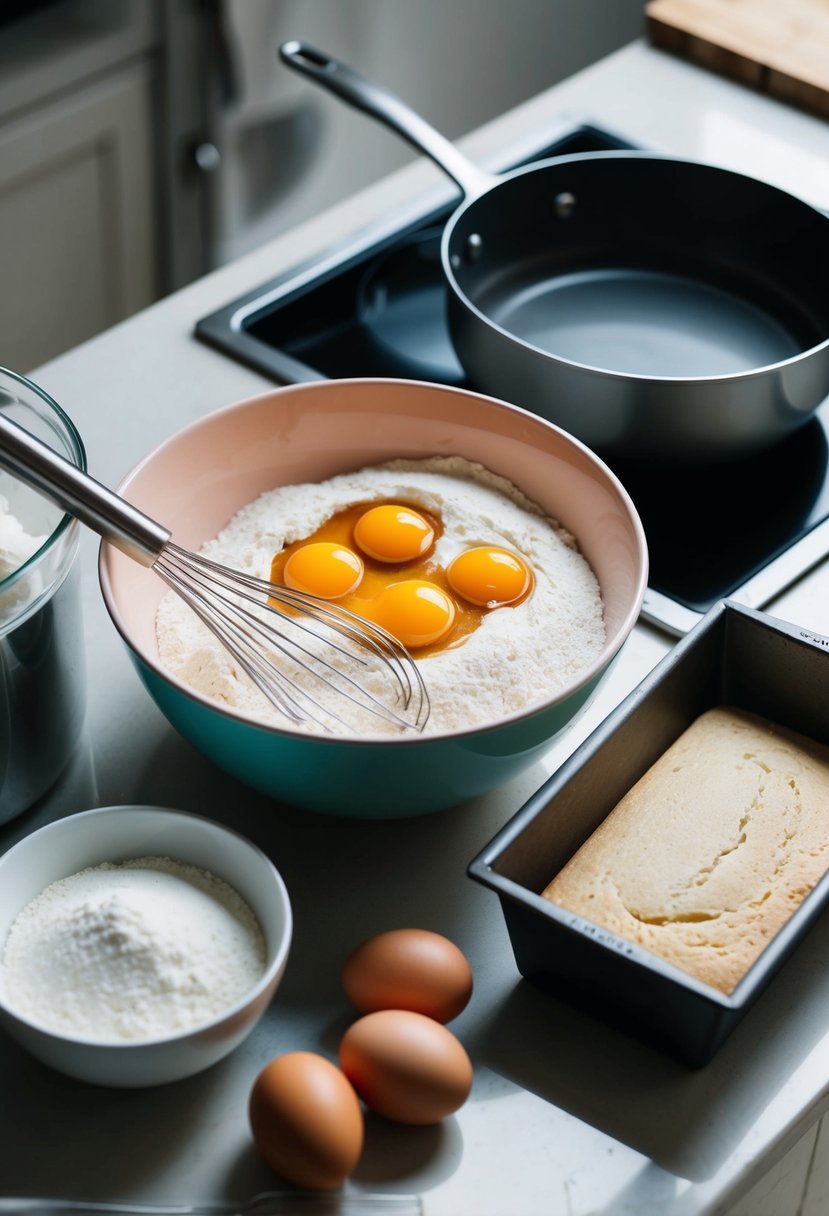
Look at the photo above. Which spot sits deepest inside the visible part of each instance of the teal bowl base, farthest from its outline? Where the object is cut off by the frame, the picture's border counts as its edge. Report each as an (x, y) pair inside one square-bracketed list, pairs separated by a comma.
[(365, 780)]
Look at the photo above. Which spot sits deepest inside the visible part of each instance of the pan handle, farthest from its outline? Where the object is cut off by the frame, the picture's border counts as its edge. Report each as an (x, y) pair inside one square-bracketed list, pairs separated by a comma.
[(378, 102)]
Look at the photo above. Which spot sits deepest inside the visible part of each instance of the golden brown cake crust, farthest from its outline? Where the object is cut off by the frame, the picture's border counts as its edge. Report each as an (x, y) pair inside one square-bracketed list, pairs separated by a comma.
[(708, 855)]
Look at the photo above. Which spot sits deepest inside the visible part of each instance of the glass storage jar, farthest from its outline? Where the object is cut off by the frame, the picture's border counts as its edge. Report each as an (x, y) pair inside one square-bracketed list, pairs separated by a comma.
[(42, 665)]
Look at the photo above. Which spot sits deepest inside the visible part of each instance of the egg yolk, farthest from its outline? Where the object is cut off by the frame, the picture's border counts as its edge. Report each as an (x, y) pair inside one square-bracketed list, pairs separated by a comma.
[(323, 568), (427, 605), (488, 576), (393, 533), (416, 612)]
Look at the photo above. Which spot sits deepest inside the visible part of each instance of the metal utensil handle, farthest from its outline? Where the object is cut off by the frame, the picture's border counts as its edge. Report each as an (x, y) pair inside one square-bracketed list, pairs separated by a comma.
[(28, 1206), (52, 475), (274, 1203), (378, 102)]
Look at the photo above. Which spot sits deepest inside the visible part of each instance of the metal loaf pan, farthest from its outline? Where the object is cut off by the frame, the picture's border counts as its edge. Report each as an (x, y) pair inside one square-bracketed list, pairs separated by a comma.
[(734, 656)]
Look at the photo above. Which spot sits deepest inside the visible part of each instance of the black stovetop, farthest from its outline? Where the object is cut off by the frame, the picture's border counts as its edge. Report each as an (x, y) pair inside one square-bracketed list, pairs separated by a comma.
[(376, 307)]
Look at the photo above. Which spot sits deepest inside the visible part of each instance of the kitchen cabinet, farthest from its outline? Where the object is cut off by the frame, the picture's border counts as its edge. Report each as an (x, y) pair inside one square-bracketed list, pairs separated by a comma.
[(797, 1185), (783, 1190), (78, 238), (79, 223)]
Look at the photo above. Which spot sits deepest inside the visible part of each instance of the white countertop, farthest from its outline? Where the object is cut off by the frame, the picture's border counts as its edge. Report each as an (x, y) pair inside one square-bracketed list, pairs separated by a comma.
[(566, 1116)]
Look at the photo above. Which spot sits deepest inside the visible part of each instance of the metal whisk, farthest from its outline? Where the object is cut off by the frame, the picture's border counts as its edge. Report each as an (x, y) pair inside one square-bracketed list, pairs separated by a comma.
[(313, 660)]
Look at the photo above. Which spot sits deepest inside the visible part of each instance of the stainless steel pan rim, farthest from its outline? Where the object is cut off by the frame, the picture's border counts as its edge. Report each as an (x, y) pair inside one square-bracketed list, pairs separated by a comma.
[(523, 170)]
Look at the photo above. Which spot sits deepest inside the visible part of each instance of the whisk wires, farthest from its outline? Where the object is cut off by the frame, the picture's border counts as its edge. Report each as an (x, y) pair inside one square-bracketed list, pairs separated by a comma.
[(299, 649)]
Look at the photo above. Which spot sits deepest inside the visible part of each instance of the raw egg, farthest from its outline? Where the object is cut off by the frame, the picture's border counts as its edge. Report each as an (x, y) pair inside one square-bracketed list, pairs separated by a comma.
[(412, 969), (306, 1120), (416, 612), (406, 1066), (324, 569), (393, 533), (489, 576), (383, 562)]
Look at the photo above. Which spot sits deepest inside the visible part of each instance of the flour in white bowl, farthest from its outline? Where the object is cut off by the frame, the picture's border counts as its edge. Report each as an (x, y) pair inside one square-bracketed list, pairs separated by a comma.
[(518, 657), (130, 952)]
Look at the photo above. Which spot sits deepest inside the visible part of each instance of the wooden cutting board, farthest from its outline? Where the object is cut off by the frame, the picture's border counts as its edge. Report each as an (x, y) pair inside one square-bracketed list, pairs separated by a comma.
[(778, 46)]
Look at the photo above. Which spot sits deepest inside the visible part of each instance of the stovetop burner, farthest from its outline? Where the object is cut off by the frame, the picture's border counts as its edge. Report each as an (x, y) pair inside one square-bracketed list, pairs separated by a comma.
[(376, 307)]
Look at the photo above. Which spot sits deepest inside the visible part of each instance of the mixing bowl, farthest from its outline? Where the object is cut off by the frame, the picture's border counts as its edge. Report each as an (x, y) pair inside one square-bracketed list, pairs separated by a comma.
[(120, 833), (194, 483), (42, 676)]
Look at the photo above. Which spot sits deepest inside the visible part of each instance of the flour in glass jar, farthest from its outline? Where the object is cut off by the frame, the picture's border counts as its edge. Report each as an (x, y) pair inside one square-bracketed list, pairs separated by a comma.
[(131, 952)]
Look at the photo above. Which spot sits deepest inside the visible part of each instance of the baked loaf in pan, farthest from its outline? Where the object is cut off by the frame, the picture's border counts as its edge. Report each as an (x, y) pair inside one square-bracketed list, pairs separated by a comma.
[(708, 855)]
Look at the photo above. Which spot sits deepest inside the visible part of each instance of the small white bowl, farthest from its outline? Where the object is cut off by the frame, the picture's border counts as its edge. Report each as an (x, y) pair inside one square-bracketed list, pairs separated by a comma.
[(118, 833)]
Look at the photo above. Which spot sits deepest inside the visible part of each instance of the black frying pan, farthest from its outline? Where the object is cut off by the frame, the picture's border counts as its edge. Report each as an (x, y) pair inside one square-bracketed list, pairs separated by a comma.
[(655, 308)]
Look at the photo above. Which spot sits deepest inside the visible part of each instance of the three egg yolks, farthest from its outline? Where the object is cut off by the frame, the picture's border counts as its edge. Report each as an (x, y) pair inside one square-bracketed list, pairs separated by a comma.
[(378, 561)]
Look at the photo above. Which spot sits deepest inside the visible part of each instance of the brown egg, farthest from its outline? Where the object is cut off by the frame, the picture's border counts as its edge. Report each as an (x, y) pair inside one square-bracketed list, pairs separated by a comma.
[(306, 1120), (406, 1066), (409, 969)]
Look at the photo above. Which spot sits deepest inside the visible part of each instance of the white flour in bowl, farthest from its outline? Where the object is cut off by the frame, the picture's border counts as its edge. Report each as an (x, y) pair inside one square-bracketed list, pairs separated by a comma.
[(131, 952), (517, 657)]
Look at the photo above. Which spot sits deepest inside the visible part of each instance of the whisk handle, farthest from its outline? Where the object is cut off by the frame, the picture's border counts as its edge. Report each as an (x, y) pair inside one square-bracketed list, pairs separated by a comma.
[(52, 475)]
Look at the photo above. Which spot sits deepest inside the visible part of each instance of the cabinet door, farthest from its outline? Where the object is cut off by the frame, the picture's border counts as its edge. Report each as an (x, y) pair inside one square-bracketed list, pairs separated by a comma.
[(77, 217)]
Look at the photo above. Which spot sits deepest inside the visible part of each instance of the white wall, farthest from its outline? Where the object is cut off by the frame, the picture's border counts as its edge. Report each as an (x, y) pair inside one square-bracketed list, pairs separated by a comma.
[(289, 150)]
